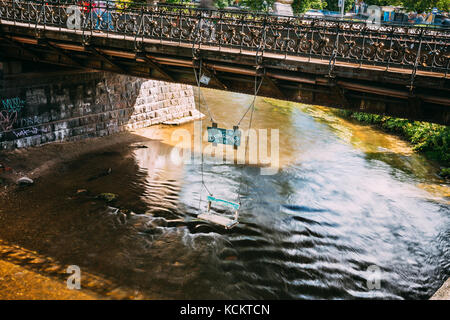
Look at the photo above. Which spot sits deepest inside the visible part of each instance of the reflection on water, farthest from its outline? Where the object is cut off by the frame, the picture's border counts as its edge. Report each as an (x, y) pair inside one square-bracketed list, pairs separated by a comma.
[(346, 197)]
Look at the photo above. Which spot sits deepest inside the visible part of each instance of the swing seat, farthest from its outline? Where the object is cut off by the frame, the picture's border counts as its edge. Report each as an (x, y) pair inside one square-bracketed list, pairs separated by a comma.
[(225, 222)]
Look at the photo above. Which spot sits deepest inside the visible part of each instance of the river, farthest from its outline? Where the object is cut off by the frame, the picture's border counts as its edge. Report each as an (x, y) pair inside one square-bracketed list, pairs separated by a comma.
[(348, 203)]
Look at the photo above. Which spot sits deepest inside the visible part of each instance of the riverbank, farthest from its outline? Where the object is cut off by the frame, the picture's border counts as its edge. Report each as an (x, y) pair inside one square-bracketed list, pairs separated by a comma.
[(443, 293), (431, 140), (37, 161), (18, 283), (25, 274)]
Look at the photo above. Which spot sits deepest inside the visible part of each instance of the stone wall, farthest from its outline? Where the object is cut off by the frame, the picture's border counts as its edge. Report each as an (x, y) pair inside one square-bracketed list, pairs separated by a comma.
[(71, 105)]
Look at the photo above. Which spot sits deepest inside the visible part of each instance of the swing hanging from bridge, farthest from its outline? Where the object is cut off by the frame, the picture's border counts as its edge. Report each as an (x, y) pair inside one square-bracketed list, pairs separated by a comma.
[(216, 136), (222, 220)]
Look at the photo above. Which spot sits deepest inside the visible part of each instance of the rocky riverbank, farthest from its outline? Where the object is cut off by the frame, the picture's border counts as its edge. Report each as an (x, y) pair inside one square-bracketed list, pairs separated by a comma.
[(443, 293)]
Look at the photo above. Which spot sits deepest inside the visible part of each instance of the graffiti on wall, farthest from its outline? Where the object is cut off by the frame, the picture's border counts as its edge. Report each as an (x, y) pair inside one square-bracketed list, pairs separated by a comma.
[(9, 110), (23, 133)]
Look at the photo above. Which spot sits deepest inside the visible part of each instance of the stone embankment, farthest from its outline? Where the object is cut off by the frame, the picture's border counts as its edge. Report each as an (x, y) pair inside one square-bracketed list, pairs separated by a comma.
[(77, 105)]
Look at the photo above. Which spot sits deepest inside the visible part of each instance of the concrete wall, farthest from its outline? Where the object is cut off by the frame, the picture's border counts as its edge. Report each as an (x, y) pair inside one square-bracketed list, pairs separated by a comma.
[(71, 105)]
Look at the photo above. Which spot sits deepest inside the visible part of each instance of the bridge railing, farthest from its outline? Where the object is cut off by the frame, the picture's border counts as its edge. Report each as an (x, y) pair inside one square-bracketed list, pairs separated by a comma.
[(332, 40)]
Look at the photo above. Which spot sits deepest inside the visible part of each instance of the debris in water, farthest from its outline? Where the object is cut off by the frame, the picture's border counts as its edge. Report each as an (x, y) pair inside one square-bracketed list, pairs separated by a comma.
[(4, 168), (25, 181), (108, 196), (107, 172), (231, 258), (122, 217)]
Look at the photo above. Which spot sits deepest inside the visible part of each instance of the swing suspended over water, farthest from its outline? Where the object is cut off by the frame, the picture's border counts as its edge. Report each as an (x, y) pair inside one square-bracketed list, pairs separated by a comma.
[(221, 219), (229, 137), (223, 136)]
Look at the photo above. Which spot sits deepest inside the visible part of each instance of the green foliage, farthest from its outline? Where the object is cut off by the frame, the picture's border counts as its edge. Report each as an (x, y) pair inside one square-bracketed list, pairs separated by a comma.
[(426, 5), (409, 5), (445, 173), (431, 139), (332, 5), (258, 5), (123, 4), (221, 3), (384, 2), (300, 6), (174, 1)]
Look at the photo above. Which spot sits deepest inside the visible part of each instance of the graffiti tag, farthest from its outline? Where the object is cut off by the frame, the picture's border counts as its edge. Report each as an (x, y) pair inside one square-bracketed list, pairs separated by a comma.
[(26, 132), (7, 120), (8, 115), (13, 104), (15, 134)]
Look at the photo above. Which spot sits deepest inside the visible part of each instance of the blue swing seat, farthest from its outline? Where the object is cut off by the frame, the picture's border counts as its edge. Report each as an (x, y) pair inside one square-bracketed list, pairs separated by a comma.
[(219, 219)]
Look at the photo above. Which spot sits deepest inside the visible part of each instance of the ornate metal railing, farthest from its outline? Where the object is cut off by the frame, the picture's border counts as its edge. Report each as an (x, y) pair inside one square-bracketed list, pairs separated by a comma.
[(410, 47)]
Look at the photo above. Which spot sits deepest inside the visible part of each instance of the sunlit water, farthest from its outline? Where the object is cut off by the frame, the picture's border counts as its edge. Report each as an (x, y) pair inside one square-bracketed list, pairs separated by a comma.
[(345, 199)]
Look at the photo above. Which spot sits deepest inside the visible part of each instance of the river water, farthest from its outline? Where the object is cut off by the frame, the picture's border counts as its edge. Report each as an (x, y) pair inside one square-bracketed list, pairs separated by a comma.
[(349, 204)]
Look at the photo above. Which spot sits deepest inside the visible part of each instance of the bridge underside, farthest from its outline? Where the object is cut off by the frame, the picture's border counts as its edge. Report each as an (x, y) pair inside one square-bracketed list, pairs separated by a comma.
[(358, 87)]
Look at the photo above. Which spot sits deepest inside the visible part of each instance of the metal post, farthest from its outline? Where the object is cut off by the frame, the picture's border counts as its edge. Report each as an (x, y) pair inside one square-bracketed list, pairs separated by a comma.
[(342, 2)]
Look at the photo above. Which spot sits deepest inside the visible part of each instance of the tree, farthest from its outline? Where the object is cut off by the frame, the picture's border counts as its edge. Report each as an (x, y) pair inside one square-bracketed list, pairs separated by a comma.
[(258, 5), (426, 5), (381, 3), (332, 5), (300, 6)]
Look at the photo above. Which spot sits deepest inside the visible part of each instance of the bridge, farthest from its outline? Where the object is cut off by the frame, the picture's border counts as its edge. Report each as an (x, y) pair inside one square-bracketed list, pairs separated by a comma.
[(394, 70)]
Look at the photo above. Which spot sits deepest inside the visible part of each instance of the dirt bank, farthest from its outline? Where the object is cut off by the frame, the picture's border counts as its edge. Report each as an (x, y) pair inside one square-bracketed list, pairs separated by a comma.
[(18, 283), (37, 161)]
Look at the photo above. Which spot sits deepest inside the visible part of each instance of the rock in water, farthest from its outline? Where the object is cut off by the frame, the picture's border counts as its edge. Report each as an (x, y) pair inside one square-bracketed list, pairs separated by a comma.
[(25, 181), (122, 218)]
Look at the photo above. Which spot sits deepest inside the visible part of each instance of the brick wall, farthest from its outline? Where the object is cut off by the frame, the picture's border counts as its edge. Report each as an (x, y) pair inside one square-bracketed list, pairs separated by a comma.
[(65, 106)]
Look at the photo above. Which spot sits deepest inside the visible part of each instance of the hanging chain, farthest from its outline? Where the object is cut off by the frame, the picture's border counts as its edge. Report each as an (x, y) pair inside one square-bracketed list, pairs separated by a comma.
[(200, 95), (258, 57), (258, 62), (201, 136), (247, 139)]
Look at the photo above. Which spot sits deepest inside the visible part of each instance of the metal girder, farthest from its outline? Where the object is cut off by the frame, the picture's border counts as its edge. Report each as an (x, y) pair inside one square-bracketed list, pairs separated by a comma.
[(274, 86), (154, 65), (105, 58), (340, 93), (213, 75), (62, 53), (20, 46)]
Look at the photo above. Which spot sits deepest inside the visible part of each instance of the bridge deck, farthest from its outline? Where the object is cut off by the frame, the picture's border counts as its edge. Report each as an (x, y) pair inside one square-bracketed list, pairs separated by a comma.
[(287, 56), (394, 70)]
